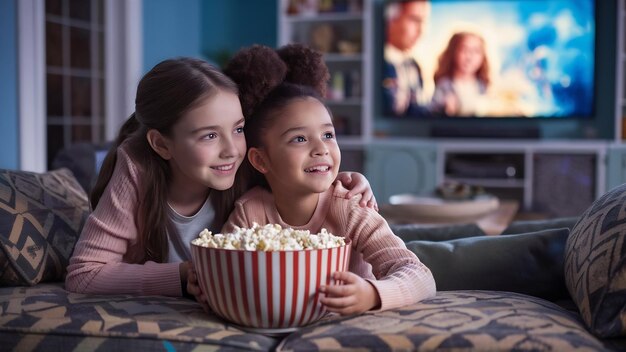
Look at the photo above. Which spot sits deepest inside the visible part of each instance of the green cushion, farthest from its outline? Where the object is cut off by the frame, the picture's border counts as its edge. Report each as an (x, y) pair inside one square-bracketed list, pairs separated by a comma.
[(41, 216), (530, 263), (595, 264)]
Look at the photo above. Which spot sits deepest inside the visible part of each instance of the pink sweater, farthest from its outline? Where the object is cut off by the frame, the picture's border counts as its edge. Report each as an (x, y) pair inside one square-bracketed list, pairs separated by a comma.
[(104, 258), (377, 254)]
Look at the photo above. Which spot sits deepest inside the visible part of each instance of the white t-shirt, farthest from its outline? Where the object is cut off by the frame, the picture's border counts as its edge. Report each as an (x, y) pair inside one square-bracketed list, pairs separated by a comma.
[(188, 228)]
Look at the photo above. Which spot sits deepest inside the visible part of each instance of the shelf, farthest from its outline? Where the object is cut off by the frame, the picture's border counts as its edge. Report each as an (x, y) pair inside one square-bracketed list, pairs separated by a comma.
[(490, 182), (325, 17), (329, 58), (349, 91)]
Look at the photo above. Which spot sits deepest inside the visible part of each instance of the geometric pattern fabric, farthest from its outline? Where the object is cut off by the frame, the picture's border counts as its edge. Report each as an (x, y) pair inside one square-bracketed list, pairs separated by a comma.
[(595, 264), (44, 316), (454, 321), (40, 317), (41, 216)]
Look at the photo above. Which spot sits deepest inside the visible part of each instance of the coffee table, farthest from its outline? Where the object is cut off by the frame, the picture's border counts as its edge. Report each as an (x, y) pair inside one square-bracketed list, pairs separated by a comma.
[(492, 223)]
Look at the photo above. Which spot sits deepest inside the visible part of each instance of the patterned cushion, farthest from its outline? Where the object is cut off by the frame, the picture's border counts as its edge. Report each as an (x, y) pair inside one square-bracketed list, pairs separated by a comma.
[(454, 321), (48, 318), (595, 264), (41, 216)]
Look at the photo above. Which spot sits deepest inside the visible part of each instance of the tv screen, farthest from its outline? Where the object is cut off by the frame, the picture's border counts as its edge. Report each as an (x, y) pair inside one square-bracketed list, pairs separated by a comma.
[(489, 58)]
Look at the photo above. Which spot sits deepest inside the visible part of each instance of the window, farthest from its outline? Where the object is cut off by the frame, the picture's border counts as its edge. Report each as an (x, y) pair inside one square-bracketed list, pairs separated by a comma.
[(75, 78), (80, 56)]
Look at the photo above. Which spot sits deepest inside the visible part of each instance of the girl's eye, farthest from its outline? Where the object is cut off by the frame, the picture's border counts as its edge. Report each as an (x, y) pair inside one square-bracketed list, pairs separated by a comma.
[(212, 135), (239, 130), (299, 139), (329, 135)]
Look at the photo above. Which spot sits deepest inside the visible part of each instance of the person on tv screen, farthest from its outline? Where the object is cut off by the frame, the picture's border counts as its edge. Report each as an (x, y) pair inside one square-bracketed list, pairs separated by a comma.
[(462, 77), (402, 75)]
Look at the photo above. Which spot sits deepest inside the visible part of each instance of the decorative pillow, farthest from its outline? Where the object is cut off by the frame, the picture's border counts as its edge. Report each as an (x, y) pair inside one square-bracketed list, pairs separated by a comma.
[(595, 264), (530, 263), (41, 216)]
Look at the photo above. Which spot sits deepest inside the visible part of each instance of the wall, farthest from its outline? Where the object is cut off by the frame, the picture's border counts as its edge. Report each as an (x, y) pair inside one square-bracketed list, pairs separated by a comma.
[(601, 126), (9, 146), (171, 28), (230, 25)]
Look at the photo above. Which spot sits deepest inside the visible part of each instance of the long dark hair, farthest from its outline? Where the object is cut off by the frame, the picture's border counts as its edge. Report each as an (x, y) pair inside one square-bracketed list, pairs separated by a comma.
[(164, 94), (268, 81), (447, 64)]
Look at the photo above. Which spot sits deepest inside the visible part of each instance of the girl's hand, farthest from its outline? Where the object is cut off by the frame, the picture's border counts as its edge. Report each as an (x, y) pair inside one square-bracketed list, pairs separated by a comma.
[(194, 289), (358, 184), (355, 296)]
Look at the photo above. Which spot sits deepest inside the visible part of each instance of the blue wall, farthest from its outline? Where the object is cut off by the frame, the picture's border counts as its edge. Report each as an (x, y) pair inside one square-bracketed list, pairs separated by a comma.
[(229, 25), (8, 86), (171, 28)]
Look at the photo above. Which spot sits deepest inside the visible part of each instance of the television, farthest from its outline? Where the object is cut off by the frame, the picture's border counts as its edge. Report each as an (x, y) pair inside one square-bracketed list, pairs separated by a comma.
[(488, 59)]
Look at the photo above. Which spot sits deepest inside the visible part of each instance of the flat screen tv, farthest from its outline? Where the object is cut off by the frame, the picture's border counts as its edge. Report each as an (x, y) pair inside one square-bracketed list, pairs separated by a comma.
[(525, 59)]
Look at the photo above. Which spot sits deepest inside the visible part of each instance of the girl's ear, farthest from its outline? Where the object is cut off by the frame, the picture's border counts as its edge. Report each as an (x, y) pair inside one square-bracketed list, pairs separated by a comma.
[(159, 144), (258, 159)]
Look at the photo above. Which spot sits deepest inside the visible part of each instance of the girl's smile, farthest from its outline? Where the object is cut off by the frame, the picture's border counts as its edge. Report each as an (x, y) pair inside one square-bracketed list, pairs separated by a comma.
[(226, 169), (300, 155), (318, 169)]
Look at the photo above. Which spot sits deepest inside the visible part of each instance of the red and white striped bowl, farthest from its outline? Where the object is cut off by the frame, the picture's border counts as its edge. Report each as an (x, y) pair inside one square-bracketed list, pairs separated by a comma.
[(269, 290)]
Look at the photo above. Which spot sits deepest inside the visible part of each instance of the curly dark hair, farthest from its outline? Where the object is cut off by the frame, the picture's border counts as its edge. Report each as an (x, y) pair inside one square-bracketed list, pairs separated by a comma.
[(305, 67), (268, 81), (258, 70)]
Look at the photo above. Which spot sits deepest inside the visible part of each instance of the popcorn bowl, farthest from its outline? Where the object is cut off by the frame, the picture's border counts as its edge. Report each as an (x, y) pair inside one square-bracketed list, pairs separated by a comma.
[(267, 291)]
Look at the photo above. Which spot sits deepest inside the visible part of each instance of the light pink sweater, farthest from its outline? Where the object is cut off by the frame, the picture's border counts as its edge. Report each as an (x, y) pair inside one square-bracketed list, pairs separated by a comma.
[(104, 261), (377, 254)]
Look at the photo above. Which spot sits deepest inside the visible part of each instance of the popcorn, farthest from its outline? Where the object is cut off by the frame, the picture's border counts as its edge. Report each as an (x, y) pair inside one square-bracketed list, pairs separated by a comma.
[(271, 237)]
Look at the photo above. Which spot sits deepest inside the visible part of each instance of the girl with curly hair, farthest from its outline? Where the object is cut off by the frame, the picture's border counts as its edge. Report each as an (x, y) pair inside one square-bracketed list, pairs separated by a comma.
[(294, 159), (171, 173)]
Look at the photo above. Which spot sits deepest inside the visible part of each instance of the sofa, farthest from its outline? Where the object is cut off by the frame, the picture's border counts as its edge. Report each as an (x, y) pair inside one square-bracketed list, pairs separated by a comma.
[(553, 285)]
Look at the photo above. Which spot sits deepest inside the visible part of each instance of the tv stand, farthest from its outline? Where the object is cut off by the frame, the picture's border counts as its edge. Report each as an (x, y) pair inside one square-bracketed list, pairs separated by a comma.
[(557, 178), (485, 132)]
